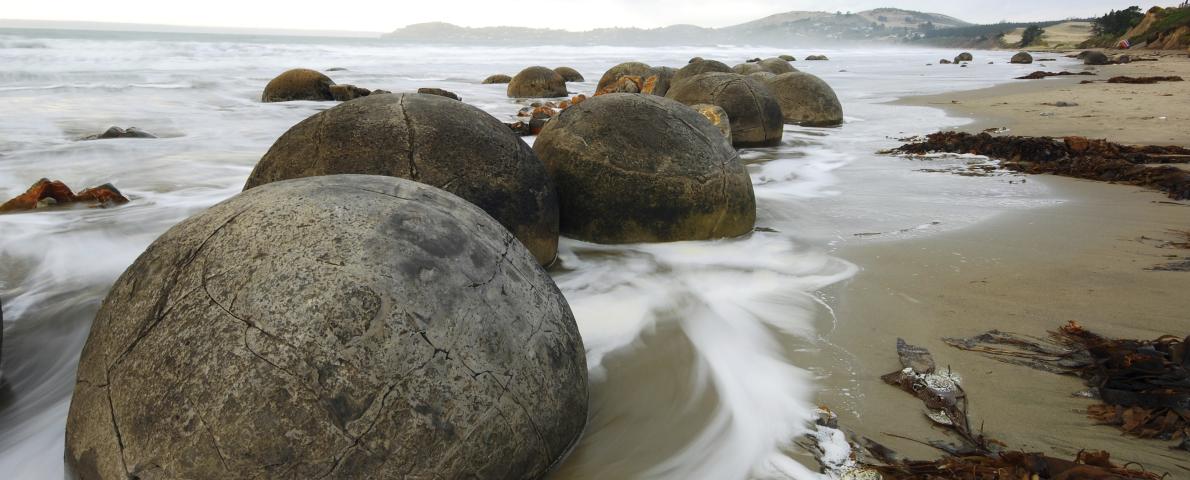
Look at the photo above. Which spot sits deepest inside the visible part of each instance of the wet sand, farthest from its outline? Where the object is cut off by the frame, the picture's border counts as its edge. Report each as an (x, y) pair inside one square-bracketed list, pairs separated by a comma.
[(1025, 271)]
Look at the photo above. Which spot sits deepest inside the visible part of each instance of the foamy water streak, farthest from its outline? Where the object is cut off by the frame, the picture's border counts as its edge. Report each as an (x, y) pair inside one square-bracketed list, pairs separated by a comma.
[(689, 343)]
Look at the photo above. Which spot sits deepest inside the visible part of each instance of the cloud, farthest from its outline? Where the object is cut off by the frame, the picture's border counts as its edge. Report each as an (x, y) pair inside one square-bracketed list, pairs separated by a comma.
[(385, 15)]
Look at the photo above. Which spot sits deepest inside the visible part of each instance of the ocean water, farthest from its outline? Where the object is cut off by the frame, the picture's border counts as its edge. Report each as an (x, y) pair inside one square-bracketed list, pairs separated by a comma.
[(690, 345)]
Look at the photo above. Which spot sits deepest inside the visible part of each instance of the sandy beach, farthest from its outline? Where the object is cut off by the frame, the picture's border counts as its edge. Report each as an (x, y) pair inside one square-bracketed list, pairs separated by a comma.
[(1086, 259)]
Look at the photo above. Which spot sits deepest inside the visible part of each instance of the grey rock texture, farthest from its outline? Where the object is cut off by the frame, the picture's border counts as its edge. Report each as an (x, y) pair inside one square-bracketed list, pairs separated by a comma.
[(641, 168), (755, 113), (298, 84), (537, 82), (806, 99), (345, 326), (569, 74), (430, 139)]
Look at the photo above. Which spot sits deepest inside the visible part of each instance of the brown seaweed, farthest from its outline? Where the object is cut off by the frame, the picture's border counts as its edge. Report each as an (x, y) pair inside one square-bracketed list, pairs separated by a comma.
[(1069, 156), (980, 457)]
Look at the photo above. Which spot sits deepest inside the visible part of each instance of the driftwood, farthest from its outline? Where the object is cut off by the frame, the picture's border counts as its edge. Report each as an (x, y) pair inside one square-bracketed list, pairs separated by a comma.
[(1144, 384), (979, 457)]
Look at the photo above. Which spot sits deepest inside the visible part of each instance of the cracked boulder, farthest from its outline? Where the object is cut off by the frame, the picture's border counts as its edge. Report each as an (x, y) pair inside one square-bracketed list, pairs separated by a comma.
[(666, 175), (433, 140), (346, 326), (298, 84), (805, 99), (753, 109)]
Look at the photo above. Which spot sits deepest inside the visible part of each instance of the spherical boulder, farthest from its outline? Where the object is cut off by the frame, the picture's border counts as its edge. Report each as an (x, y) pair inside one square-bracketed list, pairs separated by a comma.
[(748, 68), (692, 70), (432, 140), (346, 326), (818, 58), (1021, 58), (497, 79), (569, 74), (537, 82), (776, 65), (298, 84), (1096, 58), (641, 168), (806, 99), (626, 69), (964, 57), (787, 58), (754, 112)]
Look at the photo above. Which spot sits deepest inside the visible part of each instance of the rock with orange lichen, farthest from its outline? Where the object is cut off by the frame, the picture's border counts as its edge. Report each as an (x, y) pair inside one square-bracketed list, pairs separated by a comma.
[(624, 84), (48, 193)]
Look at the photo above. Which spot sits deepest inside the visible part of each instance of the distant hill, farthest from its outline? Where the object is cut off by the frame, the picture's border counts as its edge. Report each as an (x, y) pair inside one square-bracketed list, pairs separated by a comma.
[(790, 28)]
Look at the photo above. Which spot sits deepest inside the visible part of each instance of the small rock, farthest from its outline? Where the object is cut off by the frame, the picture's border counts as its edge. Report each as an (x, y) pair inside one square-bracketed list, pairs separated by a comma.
[(117, 132), (817, 58), (343, 93), (497, 79)]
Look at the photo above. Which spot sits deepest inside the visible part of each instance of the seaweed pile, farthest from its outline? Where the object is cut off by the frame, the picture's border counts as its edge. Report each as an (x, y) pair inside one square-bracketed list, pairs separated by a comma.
[(1069, 156), (1143, 80), (1144, 384), (1038, 75), (976, 457)]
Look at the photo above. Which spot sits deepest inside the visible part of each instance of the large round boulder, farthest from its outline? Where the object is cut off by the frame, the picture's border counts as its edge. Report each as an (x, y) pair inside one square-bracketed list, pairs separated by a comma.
[(641, 168), (776, 65), (1096, 58), (626, 69), (694, 69), (347, 326), (806, 99), (298, 84), (569, 74), (1021, 58), (754, 112), (537, 82), (432, 140), (964, 57)]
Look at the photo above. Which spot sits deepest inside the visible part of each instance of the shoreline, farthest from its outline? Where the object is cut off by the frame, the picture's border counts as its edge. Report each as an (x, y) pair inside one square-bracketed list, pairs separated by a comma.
[(1025, 271), (1152, 114)]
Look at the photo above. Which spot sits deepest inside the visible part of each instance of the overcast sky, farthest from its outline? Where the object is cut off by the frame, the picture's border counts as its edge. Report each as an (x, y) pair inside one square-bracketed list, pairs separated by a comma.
[(386, 15)]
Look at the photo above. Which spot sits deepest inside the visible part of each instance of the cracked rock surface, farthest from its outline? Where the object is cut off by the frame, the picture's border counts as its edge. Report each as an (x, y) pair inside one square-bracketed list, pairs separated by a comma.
[(429, 139), (641, 168), (343, 326)]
